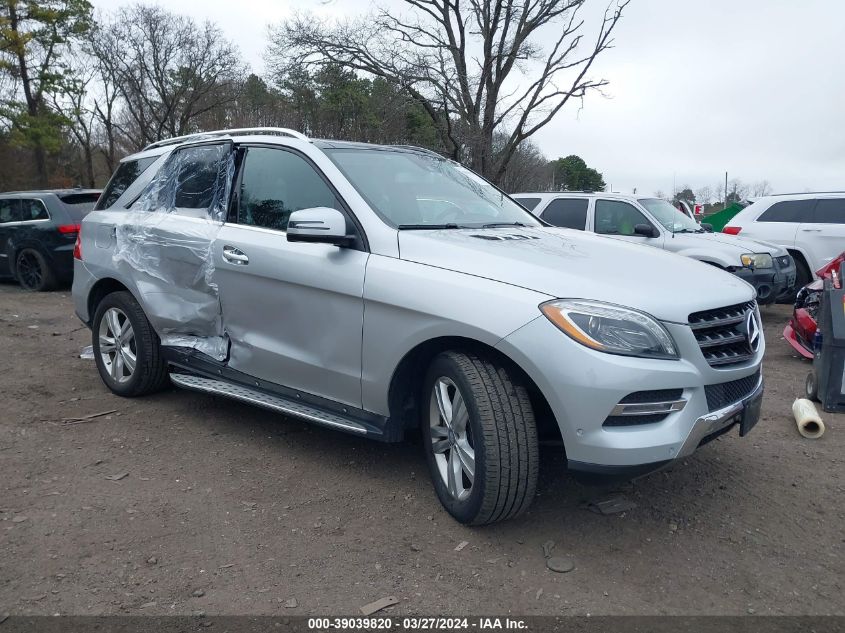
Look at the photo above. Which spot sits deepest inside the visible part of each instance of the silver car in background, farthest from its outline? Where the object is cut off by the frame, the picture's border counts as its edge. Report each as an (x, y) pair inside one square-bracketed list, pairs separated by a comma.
[(379, 290)]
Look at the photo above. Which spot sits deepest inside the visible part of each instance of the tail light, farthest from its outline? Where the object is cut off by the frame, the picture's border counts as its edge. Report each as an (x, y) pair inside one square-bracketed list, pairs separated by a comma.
[(77, 247), (67, 229), (732, 230)]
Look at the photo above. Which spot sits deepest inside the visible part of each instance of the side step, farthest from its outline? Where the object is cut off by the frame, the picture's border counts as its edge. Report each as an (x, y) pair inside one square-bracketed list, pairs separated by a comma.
[(268, 401)]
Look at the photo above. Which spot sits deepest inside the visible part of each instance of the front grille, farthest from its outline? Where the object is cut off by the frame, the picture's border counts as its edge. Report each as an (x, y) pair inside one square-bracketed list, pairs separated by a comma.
[(721, 334), (721, 395)]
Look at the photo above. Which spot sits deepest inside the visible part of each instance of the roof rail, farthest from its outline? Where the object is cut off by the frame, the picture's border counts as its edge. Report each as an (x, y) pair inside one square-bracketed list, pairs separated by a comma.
[(564, 191), (233, 132), (424, 150), (801, 193)]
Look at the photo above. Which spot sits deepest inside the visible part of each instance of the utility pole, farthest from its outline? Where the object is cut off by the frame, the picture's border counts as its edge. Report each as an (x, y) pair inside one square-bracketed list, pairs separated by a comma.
[(726, 190)]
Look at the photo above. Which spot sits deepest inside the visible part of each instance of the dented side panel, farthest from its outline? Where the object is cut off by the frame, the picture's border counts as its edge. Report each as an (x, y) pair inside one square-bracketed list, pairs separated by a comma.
[(165, 244)]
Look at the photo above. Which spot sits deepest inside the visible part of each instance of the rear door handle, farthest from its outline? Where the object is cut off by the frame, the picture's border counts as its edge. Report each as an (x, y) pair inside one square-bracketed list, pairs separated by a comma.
[(235, 256), (812, 230)]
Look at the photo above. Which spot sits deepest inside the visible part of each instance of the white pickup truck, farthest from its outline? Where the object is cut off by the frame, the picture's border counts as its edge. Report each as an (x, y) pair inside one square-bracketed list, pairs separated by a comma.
[(655, 222)]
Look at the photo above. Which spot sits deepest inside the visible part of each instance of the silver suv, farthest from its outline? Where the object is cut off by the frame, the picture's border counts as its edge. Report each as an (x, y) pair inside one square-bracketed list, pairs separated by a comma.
[(378, 290)]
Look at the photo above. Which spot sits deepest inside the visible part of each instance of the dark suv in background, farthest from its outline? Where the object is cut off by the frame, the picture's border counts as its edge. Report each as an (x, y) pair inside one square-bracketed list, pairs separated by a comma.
[(37, 234)]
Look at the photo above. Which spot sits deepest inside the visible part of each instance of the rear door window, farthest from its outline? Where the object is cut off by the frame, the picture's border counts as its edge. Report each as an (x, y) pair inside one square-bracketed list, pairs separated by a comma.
[(830, 211), (570, 213), (789, 211), (199, 177), (126, 173), (32, 209)]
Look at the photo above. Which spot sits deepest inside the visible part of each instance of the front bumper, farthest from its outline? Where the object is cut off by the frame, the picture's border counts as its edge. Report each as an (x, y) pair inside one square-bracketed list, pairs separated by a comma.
[(771, 283), (583, 387)]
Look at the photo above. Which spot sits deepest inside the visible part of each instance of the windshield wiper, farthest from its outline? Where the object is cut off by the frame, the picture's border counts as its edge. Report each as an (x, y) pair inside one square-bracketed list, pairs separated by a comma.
[(493, 225), (427, 227)]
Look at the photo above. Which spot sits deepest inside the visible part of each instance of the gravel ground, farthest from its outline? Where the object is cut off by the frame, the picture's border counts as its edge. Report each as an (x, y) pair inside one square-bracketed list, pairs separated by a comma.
[(182, 502)]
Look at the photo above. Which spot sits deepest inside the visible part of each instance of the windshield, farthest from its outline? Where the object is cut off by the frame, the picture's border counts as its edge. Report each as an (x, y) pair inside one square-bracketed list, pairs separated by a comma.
[(670, 217), (415, 190)]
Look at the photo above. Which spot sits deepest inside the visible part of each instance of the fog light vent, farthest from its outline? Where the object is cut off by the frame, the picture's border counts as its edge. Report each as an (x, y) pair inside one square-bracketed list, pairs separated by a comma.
[(646, 407)]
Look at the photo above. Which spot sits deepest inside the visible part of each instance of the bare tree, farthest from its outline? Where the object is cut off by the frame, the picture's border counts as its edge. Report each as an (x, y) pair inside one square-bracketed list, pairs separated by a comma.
[(168, 71), (476, 66), (761, 188), (704, 195), (72, 100), (737, 191), (528, 169)]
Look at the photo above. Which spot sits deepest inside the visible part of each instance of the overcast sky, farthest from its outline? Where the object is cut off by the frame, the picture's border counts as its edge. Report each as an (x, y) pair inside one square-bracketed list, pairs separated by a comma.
[(697, 87)]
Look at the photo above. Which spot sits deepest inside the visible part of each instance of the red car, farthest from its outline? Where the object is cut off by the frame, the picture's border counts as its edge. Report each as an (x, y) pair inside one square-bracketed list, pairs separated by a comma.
[(801, 329)]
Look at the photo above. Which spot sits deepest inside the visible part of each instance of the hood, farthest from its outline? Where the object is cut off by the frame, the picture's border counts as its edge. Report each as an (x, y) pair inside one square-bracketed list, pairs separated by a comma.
[(739, 244), (562, 263)]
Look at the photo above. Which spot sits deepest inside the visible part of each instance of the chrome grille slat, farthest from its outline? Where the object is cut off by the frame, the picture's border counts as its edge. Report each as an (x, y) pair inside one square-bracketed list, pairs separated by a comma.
[(718, 337)]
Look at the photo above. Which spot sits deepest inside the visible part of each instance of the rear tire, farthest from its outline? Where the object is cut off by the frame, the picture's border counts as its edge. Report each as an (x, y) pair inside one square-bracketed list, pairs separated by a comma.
[(33, 272), (480, 438), (126, 348)]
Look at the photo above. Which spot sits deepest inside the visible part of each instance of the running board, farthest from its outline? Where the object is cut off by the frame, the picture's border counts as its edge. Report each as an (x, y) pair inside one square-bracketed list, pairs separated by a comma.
[(268, 401)]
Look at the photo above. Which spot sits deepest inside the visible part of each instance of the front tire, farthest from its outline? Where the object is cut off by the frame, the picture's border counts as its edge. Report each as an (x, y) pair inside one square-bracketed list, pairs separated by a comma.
[(126, 348), (480, 438)]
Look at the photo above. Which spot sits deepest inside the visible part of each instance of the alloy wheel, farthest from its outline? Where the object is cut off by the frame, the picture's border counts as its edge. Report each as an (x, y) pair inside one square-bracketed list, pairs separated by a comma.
[(118, 350), (29, 270), (451, 438)]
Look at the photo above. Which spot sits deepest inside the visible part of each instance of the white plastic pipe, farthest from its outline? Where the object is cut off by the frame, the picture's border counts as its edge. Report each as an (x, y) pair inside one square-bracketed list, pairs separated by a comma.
[(809, 423)]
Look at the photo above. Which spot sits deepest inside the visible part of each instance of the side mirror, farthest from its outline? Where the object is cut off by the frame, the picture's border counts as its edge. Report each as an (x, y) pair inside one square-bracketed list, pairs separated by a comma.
[(707, 227), (320, 224), (646, 230)]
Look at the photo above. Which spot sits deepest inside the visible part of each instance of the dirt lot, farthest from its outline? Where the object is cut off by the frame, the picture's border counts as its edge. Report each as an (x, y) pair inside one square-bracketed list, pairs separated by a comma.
[(229, 509)]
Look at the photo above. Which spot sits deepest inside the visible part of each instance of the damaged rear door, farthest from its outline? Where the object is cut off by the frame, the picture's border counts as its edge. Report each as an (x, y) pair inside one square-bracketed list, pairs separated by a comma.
[(293, 310), (166, 243)]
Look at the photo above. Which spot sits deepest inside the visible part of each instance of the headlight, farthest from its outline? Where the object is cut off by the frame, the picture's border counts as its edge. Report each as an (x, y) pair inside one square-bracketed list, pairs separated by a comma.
[(757, 260), (610, 328)]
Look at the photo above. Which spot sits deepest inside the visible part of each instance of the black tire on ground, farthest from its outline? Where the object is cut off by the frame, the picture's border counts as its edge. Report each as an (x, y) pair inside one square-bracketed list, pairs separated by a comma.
[(150, 374), (503, 435), (33, 272), (811, 387)]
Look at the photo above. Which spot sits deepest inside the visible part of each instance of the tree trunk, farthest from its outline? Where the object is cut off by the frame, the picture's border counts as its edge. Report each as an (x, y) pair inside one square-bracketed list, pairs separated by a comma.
[(89, 166), (40, 166)]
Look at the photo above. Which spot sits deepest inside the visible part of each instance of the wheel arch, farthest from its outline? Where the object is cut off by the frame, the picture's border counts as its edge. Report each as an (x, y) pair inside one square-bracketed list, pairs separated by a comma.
[(100, 291), (406, 382), (797, 254)]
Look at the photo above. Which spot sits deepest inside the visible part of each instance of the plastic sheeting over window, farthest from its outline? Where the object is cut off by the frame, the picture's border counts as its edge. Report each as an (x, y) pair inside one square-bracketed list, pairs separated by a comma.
[(167, 243)]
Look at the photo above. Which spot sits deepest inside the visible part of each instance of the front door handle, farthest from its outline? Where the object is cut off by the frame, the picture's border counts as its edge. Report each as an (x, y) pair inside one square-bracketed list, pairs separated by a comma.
[(812, 230), (235, 256)]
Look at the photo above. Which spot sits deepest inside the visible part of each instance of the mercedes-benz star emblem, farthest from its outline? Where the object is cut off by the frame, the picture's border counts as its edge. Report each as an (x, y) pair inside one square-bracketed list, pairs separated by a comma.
[(752, 331)]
